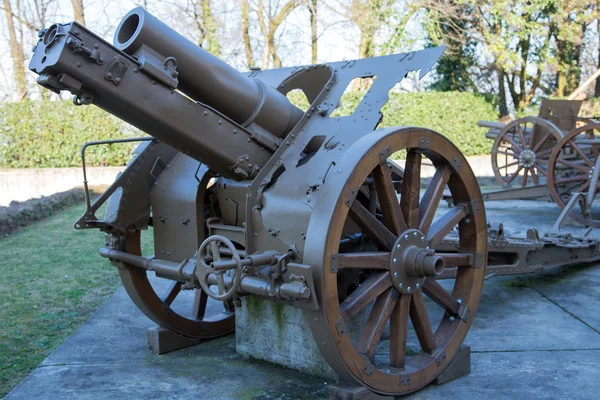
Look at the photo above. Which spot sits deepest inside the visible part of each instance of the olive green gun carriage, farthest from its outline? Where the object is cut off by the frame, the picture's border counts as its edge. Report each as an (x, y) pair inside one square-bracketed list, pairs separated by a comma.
[(246, 195), (552, 155)]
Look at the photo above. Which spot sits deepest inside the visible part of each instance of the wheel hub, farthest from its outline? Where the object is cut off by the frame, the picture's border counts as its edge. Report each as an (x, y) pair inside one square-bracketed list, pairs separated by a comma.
[(412, 261), (527, 158)]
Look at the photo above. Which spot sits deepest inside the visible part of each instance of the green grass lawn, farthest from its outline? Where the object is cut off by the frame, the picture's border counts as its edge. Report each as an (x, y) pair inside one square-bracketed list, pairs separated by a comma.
[(51, 280)]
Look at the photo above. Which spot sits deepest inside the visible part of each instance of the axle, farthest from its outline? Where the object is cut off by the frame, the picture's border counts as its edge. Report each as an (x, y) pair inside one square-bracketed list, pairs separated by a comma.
[(184, 272)]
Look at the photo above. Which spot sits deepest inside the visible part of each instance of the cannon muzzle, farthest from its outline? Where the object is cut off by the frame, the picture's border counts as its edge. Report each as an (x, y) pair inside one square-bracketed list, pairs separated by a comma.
[(167, 86), (206, 78)]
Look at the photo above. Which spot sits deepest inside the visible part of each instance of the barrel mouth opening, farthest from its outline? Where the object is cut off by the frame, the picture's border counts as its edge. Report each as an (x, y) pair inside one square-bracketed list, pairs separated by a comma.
[(128, 28)]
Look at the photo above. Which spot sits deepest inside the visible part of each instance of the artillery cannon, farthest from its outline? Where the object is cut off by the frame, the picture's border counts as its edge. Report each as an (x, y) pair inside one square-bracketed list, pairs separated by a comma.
[(246, 195)]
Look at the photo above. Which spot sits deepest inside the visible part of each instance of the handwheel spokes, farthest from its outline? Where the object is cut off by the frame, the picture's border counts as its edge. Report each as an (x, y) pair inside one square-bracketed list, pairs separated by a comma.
[(421, 323), (368, 291), (431, 198), (411, 186), (388, 201), (380, 314)]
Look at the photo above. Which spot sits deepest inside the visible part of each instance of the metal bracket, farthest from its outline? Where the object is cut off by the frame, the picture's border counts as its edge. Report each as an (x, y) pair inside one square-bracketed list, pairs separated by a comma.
[(116, 71), (335, 262), (424, 143), (341, 326), (478, 261), (77, 46), (351, 197), (368, 368), (463, 313), (457, 165), (404, 379), (440, 358), (159, 163), (384, 154)]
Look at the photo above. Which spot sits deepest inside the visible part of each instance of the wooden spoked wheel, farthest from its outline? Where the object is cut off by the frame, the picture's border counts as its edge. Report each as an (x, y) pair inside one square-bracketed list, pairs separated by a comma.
[(194, 318), (571, 169), (379, 262), (521, 152)]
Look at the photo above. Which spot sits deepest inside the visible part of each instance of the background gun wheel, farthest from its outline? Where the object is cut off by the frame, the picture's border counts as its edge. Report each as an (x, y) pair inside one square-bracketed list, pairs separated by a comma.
[(571, 168), (521, 152), (385, 324), (196, 317)]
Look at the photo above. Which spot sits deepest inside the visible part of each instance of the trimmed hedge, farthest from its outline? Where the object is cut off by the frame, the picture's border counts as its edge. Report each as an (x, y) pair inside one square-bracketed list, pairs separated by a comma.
[(46, 134), (453, 114)]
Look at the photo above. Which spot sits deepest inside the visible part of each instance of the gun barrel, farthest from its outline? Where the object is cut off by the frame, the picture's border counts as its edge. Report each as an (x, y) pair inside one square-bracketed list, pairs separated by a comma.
[(206, 78)]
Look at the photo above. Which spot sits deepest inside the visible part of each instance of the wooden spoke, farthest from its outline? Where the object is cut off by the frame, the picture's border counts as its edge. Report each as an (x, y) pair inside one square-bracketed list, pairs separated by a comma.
[(522, 137), (200, 300), (411, 186), (524, 180), (380, 314), (171, 293), (514, 175), (510, 164), (573, 179), (432, 197), (573, 165), (444, 225), (456, 259), (375, 230), (534, 176), (582, 187), (437, 293), (506, 153), (581, 154), (543, 153), (368, 291), (420, 320), (532, 137), (388, 201), (399, 331), (541, 142), (540, 169), (513, 143), (369, 260)]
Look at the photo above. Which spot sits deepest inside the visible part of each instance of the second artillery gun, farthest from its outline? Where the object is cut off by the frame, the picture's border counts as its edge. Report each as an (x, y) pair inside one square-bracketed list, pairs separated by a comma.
[(247, 195)]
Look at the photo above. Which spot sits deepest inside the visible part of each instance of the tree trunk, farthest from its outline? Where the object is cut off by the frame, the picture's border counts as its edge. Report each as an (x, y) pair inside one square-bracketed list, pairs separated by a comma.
[(502, 108), (16, 52), (78, 11), (212, 40), (312, 8), (246, 34), (597, 88)]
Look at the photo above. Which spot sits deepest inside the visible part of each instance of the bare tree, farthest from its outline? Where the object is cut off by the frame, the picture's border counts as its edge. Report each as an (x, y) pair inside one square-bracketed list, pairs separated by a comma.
[(245, 8), (16, 50), (312, 9), (78, 11), (270, 19), (201, 14)]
